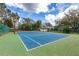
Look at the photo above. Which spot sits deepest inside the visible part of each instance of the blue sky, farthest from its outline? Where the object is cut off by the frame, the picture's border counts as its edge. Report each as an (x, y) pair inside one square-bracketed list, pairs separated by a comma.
[(48, 12)]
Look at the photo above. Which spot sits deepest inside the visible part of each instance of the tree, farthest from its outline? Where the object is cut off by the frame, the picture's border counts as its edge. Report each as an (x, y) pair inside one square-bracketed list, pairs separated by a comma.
[(70, 21), (14, 18), (8, 22), (37, 24), (49, 26), (2, 11), (29, 23), (25, 27)]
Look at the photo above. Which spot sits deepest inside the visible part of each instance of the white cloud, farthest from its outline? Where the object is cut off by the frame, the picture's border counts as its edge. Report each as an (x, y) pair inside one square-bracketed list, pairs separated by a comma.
[(31, 7), (60, 15), (52, 9), (14, 4), (42, 7), (61, 7), (51, 18), (71, 7)]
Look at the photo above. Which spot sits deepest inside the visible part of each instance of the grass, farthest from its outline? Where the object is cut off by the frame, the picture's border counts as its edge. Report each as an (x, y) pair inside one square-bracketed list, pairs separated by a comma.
[(11, 45)]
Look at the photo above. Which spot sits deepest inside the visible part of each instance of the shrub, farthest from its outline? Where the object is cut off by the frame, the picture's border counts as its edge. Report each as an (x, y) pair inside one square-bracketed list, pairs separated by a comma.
[(66, 30)]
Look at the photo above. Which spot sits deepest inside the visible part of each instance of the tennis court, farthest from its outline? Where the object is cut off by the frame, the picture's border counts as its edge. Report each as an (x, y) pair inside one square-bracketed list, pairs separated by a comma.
[(36, 39)]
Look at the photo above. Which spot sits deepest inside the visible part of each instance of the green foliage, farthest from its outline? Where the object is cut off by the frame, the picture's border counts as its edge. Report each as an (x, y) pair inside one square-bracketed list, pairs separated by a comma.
[(2, 5), (37, 25), (25, 27), (66, 30), (70, 22), (9, 23), (29, 25)]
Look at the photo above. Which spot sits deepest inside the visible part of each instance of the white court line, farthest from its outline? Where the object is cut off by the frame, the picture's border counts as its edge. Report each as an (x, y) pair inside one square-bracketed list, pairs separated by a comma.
[(50, 43), (47, 33), (40, 35), (31, 39), (39, 43), (22, 42)]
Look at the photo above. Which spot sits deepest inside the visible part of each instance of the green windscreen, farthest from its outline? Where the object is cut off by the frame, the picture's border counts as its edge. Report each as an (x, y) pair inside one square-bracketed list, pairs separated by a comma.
[(4, 29)]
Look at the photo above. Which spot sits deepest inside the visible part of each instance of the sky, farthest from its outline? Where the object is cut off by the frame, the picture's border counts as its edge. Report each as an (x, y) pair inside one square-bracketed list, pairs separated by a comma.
[(46, 12)]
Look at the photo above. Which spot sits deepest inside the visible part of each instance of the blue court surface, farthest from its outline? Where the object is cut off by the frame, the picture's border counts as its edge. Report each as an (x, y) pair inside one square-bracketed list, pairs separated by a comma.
[(35, 39)]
